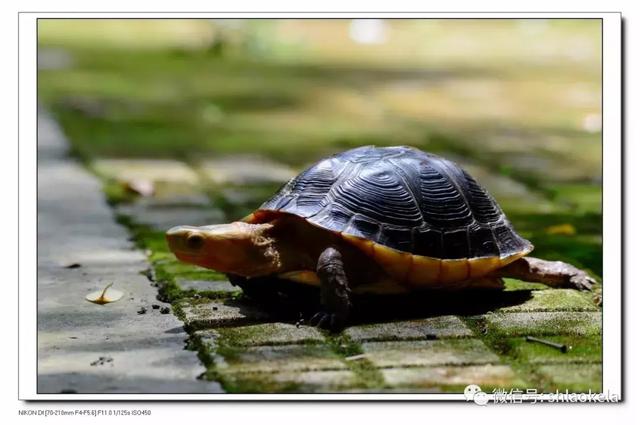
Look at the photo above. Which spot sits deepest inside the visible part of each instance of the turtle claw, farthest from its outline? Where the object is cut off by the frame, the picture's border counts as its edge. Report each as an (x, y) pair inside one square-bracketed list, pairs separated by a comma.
[(582, 281)]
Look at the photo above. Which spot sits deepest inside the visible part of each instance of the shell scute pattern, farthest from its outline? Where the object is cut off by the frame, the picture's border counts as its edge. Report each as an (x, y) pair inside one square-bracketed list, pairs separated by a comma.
[(404, 199)]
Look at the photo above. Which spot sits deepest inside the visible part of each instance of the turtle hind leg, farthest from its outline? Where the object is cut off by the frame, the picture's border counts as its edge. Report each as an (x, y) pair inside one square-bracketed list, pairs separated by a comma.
[(335, 294), (555, 274)]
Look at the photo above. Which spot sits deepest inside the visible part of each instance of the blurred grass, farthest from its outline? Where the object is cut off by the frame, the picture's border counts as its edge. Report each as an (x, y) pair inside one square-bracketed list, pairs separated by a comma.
[(519, 99)]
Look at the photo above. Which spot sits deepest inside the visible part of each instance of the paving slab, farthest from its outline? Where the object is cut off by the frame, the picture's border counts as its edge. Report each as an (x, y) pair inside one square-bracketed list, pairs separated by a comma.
[(432, 378), (85, 347), (154, 170), (276, 359), (271, 334), (573, 377), (208, 285), (555, 300), (314, 381), (434, 327), (245, 169), (428, 353), (543, 323), (579, 349), (164, 218), (179, 196), (214, 313)]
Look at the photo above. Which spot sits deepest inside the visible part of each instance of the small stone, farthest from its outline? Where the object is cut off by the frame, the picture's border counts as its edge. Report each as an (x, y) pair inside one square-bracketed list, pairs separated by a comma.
[(149, 273), (73, 266), (102, 360), (165, 310), (155, 306), (142, 310)]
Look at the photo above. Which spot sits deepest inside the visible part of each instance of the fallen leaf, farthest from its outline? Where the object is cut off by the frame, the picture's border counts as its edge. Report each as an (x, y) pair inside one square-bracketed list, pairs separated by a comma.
[(107, 295), (140, 187)]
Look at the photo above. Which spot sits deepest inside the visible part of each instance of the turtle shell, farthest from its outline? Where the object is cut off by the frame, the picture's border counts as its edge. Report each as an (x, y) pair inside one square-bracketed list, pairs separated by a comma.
[(404, 199)]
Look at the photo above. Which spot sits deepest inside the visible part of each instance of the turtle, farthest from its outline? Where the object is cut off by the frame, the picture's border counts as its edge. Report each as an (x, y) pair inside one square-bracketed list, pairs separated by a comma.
[(373, 220)]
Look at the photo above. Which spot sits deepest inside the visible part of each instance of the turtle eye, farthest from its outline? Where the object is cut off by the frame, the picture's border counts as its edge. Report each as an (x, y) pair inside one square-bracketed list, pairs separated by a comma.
[(195, 241)]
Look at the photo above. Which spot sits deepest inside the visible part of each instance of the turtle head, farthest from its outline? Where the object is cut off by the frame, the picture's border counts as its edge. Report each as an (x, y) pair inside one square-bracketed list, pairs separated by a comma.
[(239, 248)]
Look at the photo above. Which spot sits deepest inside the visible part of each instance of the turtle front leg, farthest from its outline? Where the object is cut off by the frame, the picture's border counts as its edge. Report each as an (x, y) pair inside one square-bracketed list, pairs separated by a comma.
[(555, 274), (334, 291)]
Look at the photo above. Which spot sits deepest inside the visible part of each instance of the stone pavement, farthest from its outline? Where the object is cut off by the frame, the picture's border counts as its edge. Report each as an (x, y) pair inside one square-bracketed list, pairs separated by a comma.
[(421, 344), (85, 347)]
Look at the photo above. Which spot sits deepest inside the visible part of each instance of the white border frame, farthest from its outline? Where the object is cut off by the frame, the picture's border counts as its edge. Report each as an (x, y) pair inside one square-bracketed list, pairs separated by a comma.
[(612, 201)]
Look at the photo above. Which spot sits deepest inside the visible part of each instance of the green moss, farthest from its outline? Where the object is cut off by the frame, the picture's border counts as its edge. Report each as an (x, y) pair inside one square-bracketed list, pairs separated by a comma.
[(269, 334), (554, 300), (532, 361), (518, 285), (367, 374), (572, 378), (579, 350)]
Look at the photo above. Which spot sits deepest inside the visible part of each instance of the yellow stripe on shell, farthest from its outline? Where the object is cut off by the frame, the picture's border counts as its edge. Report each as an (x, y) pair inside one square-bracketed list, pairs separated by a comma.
[(454, 270), (426, 271), (302, 276)]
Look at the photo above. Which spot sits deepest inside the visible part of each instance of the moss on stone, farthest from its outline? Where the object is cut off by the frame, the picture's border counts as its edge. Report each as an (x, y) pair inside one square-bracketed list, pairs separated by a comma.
[(586, 349), (500, 325), (519, 285), (554, 300), (572, 378), (368, 376), (269, 334)]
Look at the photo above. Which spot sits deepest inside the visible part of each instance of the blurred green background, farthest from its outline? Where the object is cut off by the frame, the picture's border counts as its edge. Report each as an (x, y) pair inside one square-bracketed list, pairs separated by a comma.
[(517, 102)]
